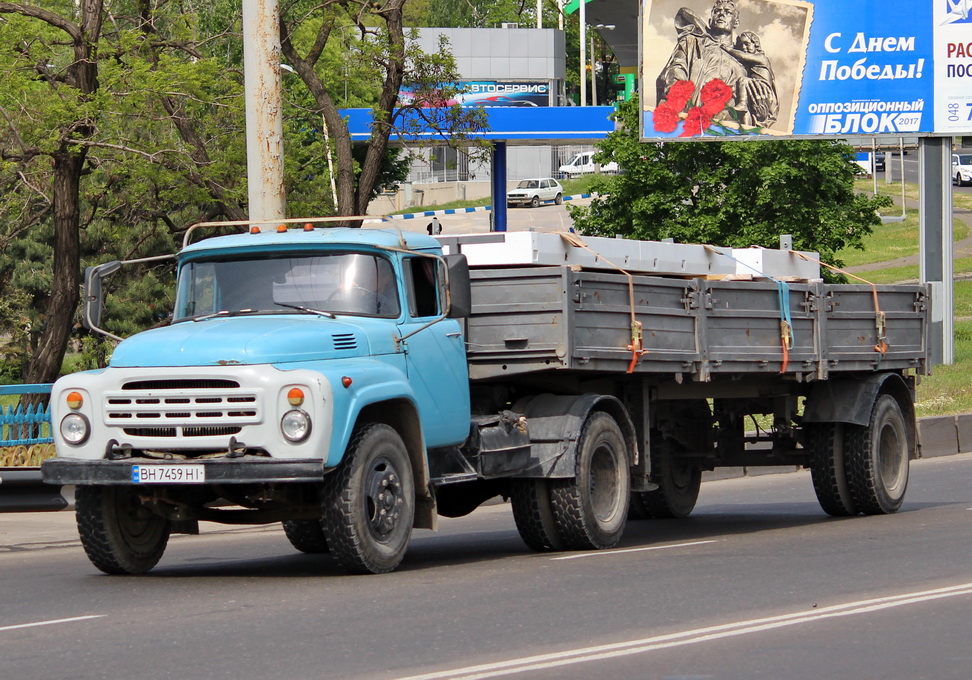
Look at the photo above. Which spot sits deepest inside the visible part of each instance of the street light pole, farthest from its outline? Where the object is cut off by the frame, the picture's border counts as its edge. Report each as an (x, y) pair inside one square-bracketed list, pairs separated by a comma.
[(593, 73), (582, 17)]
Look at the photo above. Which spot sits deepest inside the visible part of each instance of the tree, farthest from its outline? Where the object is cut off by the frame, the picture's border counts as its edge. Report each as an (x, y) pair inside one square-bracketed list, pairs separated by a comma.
[(381, 48), (102, 152), (730, 193), (122, 123)]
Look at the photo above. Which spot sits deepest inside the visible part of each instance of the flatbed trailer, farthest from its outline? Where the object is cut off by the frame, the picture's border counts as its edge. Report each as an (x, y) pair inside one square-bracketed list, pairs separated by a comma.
[(355, 384)]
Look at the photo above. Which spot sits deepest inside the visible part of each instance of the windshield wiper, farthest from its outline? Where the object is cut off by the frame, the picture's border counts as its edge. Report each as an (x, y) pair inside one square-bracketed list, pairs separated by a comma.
[(227, 312), (301, 308)]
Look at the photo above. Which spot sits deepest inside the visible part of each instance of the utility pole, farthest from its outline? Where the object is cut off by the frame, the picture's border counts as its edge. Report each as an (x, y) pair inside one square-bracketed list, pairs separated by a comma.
[(264, 109)]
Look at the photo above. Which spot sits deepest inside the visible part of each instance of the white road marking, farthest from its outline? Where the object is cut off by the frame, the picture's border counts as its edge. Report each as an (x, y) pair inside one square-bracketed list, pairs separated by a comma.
[(51, 623), (604, 553), (689, 637)]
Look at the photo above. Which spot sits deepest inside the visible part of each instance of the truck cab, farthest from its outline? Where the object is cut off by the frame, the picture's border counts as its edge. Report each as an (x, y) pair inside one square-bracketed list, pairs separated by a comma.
[(283, 348)]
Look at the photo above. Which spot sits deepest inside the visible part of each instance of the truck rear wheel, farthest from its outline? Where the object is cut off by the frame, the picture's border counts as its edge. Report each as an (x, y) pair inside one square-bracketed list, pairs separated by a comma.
[(590, 509), (530, 499), (369, 502), (307, 535), (825, 442), (120, 535), (678, 483), (877, 457)]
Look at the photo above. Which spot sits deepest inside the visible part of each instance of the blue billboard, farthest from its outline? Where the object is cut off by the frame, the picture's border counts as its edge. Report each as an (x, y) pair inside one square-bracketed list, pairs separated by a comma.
[(491, 93), (723, 68)]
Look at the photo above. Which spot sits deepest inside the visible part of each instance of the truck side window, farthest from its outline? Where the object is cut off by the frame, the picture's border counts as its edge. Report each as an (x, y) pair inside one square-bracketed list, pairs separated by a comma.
[(423, 288)]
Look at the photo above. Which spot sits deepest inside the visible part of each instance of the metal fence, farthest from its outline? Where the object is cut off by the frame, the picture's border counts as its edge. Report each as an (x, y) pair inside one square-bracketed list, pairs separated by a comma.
[(21, 426), (25, 439)]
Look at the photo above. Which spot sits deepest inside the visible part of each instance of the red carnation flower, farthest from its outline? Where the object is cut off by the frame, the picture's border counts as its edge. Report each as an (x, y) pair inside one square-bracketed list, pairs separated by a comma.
[(715, 94), (665, 118), (697, 122), (679, 93)]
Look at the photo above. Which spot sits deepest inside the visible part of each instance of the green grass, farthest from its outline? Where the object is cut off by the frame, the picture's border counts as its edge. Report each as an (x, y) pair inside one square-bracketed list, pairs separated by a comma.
[(946, 391), (896, 239)]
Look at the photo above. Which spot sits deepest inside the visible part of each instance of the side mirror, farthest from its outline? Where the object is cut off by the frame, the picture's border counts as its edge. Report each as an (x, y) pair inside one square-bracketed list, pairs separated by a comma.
[(460, 294), (94, 302)]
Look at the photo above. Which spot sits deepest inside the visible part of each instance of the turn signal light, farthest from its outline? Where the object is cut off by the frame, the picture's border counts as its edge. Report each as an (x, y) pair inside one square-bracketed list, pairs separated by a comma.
[(346, 381), (295, 396), (74, 400)]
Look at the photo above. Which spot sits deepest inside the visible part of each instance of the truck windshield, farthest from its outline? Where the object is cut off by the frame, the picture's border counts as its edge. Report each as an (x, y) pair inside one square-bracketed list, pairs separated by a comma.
[(340, 283)]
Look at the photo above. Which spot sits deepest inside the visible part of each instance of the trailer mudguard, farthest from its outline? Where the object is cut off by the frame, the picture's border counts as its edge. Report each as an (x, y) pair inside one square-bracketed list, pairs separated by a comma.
[(555, 422), (850, 400)]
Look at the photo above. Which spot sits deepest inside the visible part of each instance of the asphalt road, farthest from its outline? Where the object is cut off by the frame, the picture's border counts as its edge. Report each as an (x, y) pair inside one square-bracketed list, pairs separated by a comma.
[(758, 583), (893, 166)]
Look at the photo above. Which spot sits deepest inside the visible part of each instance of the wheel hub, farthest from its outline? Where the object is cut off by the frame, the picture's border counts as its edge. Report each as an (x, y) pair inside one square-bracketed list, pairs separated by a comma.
[(385, 499)]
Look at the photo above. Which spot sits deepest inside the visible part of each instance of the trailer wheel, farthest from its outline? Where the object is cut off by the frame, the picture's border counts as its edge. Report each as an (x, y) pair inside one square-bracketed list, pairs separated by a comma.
[(876, 457), (369, 502), (825, 443), (590, 509), (120, 535), (530, 499), (678, 483), (307, 535)]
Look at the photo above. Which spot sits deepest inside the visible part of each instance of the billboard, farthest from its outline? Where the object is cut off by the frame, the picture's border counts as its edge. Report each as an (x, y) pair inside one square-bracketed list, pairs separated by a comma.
[(775, 68), (494, 93)]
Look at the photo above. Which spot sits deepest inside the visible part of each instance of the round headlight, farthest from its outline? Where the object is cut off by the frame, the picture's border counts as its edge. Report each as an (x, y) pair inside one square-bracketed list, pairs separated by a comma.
[(75, 429), (295, 425)]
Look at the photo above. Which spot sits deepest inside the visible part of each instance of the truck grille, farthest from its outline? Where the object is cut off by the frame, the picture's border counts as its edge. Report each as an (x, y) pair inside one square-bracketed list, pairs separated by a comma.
[(188, 408)]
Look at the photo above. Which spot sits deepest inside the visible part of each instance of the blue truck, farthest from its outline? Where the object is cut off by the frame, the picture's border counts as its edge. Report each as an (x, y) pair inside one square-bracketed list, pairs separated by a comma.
[(354, 384)]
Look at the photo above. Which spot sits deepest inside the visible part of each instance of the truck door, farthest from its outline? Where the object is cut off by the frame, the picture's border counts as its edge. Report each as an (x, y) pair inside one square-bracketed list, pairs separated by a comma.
[(435, 356)]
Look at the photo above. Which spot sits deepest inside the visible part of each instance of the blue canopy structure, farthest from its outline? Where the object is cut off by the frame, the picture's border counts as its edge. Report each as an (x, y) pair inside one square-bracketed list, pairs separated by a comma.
[(510, 125)]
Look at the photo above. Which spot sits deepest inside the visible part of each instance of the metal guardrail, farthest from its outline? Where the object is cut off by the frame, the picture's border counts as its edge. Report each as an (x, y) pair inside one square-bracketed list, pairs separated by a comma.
[(21, 430), (21, 490)]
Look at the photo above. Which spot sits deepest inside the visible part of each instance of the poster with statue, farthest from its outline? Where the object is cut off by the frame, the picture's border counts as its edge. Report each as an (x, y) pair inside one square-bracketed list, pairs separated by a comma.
[(773, 68)]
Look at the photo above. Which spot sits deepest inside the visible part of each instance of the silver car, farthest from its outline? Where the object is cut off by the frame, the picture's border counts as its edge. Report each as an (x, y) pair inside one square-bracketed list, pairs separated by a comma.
[(533, 192)]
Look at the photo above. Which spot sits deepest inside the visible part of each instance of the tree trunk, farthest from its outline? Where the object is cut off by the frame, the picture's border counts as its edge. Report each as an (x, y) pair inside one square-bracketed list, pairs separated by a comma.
[(45, 366)]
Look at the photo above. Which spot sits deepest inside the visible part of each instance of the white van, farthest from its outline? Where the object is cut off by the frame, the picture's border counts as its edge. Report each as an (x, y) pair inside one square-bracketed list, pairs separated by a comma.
[(583, 164)]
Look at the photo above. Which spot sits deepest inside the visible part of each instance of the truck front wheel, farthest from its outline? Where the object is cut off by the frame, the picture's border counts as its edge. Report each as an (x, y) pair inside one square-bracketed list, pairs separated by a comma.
[(590, 510), (120, 535), (877, 457), (369, 502)]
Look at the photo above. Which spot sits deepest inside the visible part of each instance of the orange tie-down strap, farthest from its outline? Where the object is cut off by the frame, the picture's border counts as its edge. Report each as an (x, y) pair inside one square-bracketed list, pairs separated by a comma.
[(880, 322), (637, 346)]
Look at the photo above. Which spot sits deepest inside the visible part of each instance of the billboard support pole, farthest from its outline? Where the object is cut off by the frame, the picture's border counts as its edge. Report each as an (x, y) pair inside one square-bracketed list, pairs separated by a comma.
[(499, 187), (935, 233)]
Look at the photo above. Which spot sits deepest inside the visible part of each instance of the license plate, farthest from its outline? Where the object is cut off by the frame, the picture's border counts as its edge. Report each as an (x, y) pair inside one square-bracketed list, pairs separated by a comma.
[(168, 474)]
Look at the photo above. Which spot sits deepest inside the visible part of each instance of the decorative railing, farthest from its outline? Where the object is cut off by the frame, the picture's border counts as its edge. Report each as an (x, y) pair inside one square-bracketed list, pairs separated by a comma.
[(25, 432)]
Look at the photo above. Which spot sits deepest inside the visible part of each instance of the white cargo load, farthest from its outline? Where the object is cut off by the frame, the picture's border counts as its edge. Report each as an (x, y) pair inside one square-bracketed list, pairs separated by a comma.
[(500, 249)]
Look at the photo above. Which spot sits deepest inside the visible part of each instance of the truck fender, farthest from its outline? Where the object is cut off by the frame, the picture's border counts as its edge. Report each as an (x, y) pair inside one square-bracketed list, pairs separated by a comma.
[(554, 422), (380, 393), (851, 400)]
